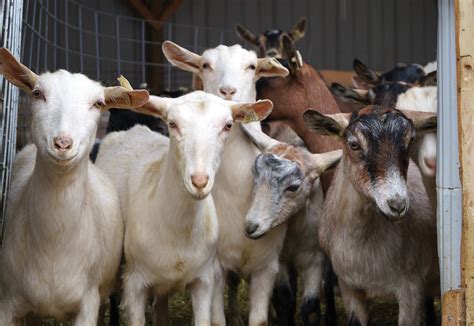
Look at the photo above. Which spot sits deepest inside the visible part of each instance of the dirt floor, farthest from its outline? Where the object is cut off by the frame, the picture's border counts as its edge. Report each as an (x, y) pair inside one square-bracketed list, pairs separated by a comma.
[(180, 311)]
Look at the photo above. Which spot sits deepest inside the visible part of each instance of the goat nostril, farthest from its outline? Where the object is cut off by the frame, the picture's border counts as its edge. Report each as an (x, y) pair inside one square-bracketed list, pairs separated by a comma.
[(227, 90), (62, 143), (199, 180), (251, 227), (430, 163), (397, 205)]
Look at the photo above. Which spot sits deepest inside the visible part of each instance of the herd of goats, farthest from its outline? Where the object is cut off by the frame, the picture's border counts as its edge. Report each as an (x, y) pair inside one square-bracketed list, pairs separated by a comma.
[(331, 184)]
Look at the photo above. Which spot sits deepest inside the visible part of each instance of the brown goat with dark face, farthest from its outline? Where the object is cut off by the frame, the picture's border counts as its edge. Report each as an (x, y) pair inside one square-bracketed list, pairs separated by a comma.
[(269, 43), (377, 226)]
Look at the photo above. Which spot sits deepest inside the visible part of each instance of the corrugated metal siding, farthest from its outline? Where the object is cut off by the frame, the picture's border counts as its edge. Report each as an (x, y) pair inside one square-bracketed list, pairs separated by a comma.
[(380, 33)]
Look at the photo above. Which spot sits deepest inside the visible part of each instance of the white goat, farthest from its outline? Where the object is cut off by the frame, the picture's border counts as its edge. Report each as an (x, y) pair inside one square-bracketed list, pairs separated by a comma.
[(64, 231), (377, 226), (231, 72), (171, 223), (423, 99), (287, 189)]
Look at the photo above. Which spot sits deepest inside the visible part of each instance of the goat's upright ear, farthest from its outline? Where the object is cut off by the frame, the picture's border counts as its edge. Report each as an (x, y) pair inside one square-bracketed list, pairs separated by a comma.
[(259, 138), (270, 67), (251, 111), (245, 35), (347, 94), (329, 125), (424, 122), (182, 58), (15, 72), (295, 62), (122, 98), (366, 74), (297, 32), (429, 80), (325, 161)]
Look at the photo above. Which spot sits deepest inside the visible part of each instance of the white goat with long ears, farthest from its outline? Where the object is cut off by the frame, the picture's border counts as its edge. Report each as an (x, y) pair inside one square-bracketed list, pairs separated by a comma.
[(64, 230), (287, 190), (231, 73), (171, 223), (377, 226)]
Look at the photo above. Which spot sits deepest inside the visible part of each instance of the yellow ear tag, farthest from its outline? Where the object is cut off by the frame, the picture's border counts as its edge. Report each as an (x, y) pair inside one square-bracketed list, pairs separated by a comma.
[(125, 83), (251, 117)]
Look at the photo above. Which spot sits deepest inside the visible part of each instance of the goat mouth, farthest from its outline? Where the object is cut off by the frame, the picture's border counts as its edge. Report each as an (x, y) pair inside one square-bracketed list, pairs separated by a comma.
[(254, 236), (393, 218), (61, 160)]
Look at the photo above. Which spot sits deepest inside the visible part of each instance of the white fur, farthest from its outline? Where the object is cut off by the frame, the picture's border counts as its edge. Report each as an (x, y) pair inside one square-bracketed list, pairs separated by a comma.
[(430, 67), (64, 231), (171, 237), (424, 99), (230, 67)]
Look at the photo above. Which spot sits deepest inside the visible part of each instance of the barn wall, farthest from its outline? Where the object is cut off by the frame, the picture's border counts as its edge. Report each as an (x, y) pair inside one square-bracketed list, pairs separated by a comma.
[(380, 33)]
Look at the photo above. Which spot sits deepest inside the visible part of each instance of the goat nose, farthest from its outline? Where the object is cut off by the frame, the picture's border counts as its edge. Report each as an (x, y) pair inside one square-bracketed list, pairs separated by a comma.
[(251, 227), (62, 142), (199, 180), (227, 90), (430, 163), (397, 205)]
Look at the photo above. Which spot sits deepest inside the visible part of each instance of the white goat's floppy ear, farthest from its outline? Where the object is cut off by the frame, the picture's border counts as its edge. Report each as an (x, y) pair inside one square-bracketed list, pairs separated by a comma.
[(156, 106), (326, 124), (250, 112), (322, 162), (424, 122), (182, 58), (15, 72), (259, 138), (122, 98), (270, 67)]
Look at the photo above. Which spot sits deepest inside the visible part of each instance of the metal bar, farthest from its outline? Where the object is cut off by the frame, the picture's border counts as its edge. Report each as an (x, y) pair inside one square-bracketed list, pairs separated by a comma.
[(97, 45), (447, 173), (38, 44), (66, 36), (32, 39), (46, 35), (55, 37), (81, 58), (143, 52), (117, 31), (170, 37)]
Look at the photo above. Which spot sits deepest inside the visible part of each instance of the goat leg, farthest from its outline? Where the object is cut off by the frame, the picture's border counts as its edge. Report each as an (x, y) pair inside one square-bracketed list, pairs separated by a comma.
[(261, 286)]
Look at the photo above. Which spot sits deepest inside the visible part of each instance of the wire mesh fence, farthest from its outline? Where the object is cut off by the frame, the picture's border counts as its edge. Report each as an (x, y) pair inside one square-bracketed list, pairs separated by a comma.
[(10, 37)]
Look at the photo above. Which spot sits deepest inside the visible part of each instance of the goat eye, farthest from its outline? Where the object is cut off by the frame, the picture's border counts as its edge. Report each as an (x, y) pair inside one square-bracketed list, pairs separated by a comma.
[(172, 125), (293, 188), (37, 94), (354, 146), (228, 125), (205, 66), (252, 67), (99, 104)]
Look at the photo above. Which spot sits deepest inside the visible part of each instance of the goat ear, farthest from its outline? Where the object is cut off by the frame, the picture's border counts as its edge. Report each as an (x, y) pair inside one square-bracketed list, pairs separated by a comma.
[(122, 98), (252, 111), (15, 72), (182, 58), (270, 67), (365, 73), (297, 32), (330, 125), (429, 80), (325, 161), (259, 138), (360, 84), (347, 94), (246, 35), (156, 106), (424, 122), (295, 62)]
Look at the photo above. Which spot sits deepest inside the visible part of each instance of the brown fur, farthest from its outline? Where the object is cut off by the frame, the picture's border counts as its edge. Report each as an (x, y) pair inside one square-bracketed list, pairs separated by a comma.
[(292, 96)]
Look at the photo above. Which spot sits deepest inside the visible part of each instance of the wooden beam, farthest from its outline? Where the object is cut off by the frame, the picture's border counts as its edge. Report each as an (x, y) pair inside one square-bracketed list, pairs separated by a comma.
[(453, 308), (465, 89), (153, 20)]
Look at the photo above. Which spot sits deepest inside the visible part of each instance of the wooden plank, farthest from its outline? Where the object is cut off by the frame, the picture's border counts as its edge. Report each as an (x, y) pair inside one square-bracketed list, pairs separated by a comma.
[(465, 85), (453, 308)]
